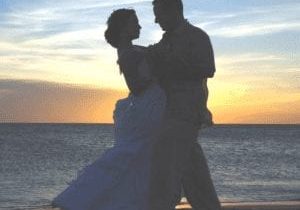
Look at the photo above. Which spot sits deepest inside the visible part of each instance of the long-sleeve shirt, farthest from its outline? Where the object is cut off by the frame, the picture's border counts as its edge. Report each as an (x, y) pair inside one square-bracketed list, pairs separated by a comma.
[(184, 54), (182, 61)]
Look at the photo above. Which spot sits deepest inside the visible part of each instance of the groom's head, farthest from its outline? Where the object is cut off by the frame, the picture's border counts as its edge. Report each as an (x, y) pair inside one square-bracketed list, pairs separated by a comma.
[(168, 13)]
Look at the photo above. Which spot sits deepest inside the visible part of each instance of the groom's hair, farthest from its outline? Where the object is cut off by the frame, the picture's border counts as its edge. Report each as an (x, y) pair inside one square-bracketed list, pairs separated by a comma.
[(169, 5), (116, 23)]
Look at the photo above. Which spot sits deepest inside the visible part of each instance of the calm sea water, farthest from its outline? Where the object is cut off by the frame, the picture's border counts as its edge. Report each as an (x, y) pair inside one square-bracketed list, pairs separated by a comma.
[(247, 162)]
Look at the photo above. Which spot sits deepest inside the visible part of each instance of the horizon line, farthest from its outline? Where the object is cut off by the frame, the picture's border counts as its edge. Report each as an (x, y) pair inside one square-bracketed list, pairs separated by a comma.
[(95, 123)]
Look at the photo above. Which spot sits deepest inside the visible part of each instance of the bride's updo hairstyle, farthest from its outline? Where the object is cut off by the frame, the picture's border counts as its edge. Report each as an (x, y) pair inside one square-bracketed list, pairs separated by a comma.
[(116, 22)]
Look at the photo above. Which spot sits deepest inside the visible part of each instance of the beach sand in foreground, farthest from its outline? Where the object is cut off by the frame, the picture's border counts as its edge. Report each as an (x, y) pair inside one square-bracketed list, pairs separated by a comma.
[(277, 205)]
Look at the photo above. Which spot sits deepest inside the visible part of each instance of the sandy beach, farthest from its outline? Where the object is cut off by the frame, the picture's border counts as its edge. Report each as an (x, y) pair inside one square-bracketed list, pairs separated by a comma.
[(277, 205)]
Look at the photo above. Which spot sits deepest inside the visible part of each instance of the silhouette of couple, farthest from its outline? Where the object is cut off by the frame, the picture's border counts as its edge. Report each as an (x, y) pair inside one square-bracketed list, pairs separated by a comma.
[(156, 153)]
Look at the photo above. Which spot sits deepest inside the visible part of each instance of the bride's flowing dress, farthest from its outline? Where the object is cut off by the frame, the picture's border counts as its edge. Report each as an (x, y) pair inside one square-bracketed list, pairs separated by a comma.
[(119, 179)]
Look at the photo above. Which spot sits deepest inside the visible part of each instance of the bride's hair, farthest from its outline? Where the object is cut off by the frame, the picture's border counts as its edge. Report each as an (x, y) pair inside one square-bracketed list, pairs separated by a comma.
[(116, 22)]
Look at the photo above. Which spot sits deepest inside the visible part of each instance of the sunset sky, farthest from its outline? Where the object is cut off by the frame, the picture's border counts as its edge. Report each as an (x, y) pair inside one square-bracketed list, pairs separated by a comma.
[(55, 65)]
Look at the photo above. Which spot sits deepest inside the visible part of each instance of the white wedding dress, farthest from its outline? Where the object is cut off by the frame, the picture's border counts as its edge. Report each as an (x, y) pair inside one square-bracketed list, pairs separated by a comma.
[(119, 179)]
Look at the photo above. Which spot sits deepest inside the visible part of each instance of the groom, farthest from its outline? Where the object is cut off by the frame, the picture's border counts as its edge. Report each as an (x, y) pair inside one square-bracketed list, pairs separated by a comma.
[(182, 61)]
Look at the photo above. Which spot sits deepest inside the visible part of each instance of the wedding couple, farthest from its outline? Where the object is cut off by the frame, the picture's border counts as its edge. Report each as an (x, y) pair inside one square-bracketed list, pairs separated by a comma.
[(156, 153)]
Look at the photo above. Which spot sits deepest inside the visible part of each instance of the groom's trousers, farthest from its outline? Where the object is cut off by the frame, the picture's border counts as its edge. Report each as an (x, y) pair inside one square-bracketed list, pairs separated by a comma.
[(197, 183), (177, 160)]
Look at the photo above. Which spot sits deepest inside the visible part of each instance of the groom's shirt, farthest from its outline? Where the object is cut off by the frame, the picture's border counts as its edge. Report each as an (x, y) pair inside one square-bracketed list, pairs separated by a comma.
[(184, 54), (182, 61)]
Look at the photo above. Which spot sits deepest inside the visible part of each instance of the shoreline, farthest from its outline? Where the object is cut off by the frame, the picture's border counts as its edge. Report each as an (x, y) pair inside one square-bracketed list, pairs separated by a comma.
[(261, 205)]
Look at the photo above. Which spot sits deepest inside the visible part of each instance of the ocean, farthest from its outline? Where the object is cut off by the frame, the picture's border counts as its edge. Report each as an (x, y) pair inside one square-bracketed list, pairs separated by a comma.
[(247, 162)]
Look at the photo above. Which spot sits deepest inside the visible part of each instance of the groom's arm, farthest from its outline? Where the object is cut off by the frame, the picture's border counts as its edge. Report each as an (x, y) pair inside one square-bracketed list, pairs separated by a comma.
[(193, 58), (202, 55)]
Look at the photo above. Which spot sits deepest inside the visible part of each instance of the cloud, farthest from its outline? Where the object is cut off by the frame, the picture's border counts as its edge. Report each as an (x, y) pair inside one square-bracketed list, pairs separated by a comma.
[(254, 29), (60, 41), (52, 18), (247, 21), (40, 101), (249, 57), (259, 71)]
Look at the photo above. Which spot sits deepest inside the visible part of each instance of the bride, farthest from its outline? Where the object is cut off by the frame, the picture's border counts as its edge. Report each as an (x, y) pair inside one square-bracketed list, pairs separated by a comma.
[(119, 178)]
